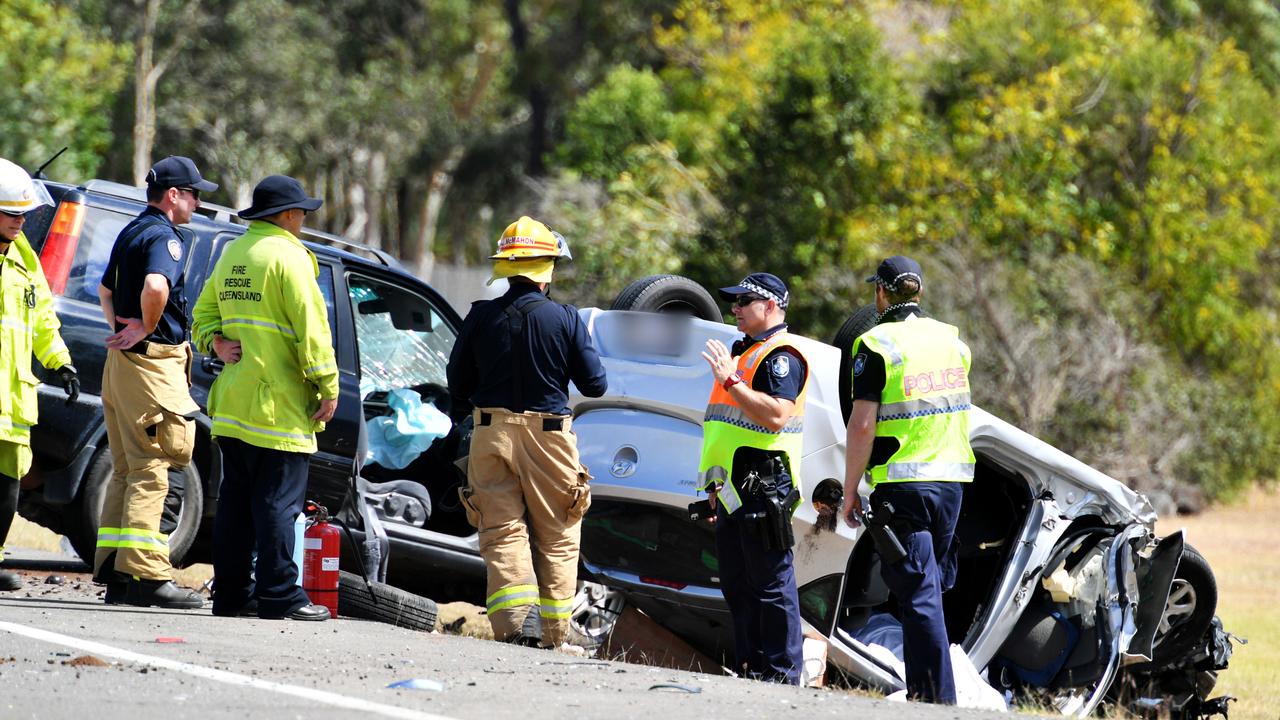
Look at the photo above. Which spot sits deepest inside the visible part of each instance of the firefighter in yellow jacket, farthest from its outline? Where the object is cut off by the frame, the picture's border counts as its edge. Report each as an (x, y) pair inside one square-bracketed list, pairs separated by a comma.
[(28, 326), (752, 438), (262, 313)]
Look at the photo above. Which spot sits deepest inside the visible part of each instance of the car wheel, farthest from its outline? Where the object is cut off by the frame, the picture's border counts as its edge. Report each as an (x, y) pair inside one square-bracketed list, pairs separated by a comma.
[(862, 320), (596, 609), (384, 603), (1193, 599), (85, 512), (669, 294)]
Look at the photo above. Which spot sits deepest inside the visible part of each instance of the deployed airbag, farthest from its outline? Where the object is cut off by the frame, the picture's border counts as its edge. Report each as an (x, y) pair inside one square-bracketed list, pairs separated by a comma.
[(398, 439)]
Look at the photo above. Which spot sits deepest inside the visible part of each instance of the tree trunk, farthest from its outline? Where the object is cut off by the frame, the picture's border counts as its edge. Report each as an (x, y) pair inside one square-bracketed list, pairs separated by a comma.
[(529, 76), (144, 92), (437, 190)]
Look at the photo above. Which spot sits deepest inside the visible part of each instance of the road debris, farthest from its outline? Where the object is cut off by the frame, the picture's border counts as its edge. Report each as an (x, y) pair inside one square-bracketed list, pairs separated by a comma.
[(86, 661), (418, 684), (692, 690)]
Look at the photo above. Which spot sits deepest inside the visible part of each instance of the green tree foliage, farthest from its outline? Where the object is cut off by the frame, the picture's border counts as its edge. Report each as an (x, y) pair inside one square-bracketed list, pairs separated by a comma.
[(1103, 169), (60, 78)]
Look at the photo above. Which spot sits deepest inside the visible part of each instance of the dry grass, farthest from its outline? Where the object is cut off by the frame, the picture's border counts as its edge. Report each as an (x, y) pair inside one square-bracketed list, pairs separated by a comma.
[(1242, 544)]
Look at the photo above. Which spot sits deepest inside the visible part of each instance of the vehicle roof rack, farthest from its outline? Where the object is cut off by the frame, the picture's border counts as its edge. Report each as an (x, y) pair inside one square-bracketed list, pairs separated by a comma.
[(222, 213)]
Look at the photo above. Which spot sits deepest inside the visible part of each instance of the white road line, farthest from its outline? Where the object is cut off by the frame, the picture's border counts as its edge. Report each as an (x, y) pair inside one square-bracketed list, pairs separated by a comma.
[(222, 676)]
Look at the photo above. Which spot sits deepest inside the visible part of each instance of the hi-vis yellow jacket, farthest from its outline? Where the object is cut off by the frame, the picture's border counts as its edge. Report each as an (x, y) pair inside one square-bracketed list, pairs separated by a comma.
[(28, 324), (263, 292)]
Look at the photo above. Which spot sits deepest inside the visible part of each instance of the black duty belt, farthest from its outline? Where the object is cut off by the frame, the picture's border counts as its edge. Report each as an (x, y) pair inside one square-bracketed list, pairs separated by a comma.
[(548, 424)]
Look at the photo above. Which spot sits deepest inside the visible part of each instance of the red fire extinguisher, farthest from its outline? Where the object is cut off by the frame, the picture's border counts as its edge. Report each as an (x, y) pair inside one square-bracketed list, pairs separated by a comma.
[(322, 545)]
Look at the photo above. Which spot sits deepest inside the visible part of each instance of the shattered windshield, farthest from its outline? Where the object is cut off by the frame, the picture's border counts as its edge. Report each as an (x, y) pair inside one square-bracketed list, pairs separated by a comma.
[(403, 340)]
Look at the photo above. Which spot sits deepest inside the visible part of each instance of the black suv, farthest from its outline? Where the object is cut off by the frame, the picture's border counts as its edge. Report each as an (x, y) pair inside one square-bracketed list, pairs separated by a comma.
[(390, 331)]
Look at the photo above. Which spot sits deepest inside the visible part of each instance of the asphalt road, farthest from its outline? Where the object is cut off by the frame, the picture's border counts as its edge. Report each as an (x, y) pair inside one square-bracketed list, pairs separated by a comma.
[(63, 654)]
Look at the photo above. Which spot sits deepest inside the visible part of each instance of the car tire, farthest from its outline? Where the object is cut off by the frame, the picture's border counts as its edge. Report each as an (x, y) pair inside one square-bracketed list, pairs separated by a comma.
[(669, 294), (1193, 599), (85, 512), (862, 320), (384, 603)]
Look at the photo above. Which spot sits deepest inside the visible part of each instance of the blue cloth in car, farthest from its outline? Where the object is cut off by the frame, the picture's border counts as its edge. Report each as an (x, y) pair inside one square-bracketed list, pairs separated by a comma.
[(398, 439)]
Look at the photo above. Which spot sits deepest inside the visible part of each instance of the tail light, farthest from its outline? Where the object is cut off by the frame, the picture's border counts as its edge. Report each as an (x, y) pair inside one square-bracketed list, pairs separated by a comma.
[(663, 583), (60, 245)]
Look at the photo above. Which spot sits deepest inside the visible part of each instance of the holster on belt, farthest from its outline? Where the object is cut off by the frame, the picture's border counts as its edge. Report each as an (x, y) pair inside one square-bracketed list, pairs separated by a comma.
[(772, 526), (887, 543)]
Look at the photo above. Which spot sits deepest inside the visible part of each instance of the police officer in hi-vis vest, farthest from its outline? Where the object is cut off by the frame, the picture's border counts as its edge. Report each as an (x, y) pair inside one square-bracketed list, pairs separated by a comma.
[(909, 432), (263, 314), (526, 489), (750, 468)]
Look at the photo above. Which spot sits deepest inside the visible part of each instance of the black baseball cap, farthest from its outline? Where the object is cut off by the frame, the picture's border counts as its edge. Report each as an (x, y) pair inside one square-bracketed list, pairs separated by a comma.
[(763, 284), (277, 193), (894, 269), (178, 171)]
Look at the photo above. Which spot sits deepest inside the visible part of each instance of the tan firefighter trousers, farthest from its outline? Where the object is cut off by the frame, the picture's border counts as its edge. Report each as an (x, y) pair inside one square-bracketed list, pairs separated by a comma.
[(527, 494), (146, 406)]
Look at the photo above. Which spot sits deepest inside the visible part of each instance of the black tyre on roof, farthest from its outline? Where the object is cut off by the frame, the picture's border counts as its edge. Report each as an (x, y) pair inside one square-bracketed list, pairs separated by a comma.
[(862, 320), (384, 603), (669, 294)]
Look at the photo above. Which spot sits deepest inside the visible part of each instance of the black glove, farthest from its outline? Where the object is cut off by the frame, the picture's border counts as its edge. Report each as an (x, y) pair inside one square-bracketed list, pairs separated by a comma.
[(70, 382)]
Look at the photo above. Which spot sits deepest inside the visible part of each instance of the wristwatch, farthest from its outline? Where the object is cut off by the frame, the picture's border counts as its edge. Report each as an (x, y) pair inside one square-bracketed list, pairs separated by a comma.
[(732, 380)]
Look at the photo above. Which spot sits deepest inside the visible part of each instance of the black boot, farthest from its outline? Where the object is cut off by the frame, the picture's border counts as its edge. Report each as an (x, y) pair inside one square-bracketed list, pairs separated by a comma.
[(116, 593), (10, 581), (117, 582), (162, 594)]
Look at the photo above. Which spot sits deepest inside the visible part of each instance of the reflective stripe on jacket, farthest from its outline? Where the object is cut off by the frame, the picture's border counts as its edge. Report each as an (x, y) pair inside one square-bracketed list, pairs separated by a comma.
[(726, 426), (925, 401), (263, 292), (28, 325)]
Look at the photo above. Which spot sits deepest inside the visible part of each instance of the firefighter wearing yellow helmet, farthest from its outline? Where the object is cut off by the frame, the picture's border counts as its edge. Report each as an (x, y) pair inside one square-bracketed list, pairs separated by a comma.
[(512, 362), (28, 327)]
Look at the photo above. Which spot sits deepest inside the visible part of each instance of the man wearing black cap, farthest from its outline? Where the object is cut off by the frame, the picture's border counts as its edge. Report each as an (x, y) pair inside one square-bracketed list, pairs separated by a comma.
[(909, 432), (752, 438), (146, 403), (262, 313)]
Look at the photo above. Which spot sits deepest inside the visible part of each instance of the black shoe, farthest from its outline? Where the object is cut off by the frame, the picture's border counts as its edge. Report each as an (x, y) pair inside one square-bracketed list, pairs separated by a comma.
[(162, 594), (116, 593), (523, 640), (10, 581), (249, 609), (305, 612)]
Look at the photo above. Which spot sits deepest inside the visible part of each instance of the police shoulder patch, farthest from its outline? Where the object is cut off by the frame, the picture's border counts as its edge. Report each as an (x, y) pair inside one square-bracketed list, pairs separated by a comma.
[(859, 363), (175, 250), (780, 366)]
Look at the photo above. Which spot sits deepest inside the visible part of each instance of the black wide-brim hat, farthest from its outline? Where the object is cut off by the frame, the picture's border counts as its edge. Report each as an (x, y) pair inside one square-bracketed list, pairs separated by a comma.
[(277, 193)]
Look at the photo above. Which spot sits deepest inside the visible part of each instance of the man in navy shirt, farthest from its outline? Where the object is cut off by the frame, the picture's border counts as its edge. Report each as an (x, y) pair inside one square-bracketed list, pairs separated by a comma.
[(146, 402), (513, 361), (752, 439)]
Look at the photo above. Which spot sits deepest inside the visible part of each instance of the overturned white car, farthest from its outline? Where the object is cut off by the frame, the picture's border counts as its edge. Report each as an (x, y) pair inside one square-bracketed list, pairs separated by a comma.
[(1064, 595)]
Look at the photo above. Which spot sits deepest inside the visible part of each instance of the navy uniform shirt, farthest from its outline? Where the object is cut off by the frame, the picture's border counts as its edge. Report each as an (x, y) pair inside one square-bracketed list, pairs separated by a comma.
[(782, 376), (149, 244), (556, 349), (869, 378)]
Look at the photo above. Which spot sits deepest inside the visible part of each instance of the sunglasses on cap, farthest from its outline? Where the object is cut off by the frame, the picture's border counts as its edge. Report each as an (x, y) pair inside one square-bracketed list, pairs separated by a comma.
[(746, 299)]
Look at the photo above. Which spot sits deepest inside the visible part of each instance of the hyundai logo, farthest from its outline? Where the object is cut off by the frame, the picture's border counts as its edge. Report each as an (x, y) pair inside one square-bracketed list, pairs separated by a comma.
[(624, 462)]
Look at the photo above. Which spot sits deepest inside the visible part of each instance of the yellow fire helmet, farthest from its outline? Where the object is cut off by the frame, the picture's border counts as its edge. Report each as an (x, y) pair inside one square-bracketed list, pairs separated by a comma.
[(528, 238)]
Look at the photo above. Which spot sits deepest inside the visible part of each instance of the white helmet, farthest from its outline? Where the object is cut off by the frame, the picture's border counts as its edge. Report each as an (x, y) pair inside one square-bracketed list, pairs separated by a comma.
[(18, 192)]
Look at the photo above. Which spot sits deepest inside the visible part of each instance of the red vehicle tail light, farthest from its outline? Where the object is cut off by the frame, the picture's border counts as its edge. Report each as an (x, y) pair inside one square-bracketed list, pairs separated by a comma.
[(60, 246), (663, 583)]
